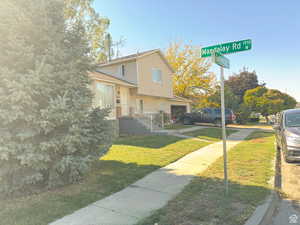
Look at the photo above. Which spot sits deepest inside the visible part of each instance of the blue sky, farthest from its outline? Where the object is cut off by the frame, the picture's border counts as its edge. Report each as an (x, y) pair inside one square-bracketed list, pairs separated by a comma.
[(273, 26)]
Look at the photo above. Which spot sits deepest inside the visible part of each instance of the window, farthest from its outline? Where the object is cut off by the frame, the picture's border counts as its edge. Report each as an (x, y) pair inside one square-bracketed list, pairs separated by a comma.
[(292, 119), (104, 96), (123, 70), (156, 76)]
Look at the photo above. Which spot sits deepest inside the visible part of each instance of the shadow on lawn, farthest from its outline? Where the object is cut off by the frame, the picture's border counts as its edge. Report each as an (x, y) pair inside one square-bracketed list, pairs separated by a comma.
[(117, 175), (151, 141), (105, 178)]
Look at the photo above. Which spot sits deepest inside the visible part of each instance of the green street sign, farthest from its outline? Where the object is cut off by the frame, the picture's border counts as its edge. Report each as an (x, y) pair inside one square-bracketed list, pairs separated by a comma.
[(221, 60), (227, 48)]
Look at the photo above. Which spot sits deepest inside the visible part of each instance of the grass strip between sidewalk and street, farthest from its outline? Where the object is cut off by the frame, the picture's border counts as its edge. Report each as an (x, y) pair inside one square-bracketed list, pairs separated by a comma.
[(203, 201), (210, 134), (128, 160)]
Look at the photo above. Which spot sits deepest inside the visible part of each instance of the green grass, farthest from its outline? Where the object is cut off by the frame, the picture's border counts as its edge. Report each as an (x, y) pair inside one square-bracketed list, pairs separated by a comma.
[(203, 201), (128, 160), (177, 126), (210, 134), (251, 125)]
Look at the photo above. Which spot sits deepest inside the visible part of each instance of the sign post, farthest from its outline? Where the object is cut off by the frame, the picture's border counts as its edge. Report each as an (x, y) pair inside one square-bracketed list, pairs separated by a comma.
[(224, 130), (216, 52), (223, 62)]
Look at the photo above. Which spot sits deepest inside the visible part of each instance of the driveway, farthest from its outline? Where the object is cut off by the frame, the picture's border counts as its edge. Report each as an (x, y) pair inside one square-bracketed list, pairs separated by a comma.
[(288, 211)]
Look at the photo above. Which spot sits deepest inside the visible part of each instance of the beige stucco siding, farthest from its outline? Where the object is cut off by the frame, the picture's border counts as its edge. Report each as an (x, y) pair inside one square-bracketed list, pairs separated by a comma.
[(146, 86), (155, 104), (115, 70)]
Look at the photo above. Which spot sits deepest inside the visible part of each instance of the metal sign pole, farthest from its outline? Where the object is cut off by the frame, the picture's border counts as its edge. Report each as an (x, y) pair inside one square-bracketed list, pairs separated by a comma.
[(224, 130), (216, 52)]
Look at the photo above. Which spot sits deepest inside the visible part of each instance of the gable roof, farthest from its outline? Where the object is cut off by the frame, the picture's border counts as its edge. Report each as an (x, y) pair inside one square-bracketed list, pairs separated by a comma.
[(136, 56), (99, 75), (128, 57)]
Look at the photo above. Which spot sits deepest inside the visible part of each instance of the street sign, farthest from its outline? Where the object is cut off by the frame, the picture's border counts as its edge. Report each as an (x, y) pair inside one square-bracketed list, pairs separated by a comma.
[(221, 60), (217, 51), (227, 48)]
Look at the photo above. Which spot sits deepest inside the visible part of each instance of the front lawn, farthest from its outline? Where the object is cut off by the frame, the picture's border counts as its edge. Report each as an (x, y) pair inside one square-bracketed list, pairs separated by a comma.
[(128, 160), (252, 125), (250, 167), (210, 134)]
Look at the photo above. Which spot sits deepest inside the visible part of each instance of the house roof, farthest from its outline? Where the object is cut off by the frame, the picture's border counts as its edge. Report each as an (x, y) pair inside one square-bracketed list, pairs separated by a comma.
[(181, 99), (101, 76), (136, 56), (128, 57)]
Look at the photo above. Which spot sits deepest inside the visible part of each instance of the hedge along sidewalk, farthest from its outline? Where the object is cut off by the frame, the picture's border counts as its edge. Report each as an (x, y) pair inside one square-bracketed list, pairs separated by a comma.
[(151, 192), (250, 167)]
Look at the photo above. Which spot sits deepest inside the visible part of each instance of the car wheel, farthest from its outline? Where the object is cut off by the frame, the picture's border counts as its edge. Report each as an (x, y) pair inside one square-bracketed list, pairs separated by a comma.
[(187, 121)]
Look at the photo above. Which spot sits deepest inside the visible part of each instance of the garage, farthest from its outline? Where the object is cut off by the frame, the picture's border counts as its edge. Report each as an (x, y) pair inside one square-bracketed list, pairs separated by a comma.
[(177, 111)]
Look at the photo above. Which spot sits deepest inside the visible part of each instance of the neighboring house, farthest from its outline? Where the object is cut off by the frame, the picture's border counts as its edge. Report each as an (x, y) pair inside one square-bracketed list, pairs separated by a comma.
[(136, 86)]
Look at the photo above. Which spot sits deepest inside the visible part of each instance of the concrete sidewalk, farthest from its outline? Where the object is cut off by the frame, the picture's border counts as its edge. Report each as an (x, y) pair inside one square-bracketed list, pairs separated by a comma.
[(180, 131), (152, 192)]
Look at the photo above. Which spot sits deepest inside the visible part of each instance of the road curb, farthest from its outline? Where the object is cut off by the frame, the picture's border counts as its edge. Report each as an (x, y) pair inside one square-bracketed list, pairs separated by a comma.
[(263, 214)]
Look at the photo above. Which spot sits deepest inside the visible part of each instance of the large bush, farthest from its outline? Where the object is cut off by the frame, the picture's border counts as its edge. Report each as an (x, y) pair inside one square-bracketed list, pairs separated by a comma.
[(49, 132)]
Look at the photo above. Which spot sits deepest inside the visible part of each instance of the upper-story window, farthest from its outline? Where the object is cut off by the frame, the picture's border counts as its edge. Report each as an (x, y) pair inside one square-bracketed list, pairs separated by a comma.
[(123, 70), (156, 76)]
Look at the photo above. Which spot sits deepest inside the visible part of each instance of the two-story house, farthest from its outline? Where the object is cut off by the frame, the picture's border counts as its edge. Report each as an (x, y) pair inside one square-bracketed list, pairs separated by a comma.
[(138, 84)]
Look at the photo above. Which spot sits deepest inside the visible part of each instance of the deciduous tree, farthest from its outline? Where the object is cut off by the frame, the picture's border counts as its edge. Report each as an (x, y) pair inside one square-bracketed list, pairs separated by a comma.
[(192, 78), (95, 25), (241, 82), (268, 101), (231, 100)]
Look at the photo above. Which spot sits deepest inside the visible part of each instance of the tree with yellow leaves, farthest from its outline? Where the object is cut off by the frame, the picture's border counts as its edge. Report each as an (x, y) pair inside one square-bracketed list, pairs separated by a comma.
[(192, 79)]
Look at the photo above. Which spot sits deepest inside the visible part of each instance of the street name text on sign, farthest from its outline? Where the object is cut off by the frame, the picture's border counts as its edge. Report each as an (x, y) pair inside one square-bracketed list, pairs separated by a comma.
[(221, 60), (227, 48)]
